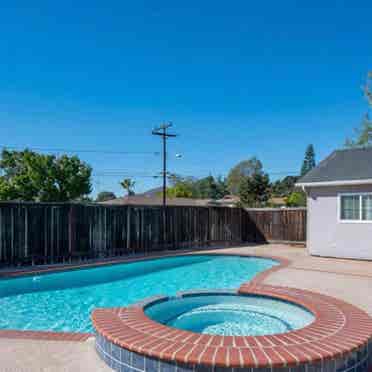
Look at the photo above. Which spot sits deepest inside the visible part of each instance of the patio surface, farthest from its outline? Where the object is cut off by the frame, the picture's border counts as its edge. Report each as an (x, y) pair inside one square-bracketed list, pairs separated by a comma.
[(349, 280)]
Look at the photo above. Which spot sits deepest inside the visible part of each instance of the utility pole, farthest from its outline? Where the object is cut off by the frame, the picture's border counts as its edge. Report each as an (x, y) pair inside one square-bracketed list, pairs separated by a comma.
[(162, 132)]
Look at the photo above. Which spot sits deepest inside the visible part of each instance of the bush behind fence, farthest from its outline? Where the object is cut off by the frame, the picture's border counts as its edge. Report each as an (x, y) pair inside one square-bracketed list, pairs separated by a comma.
[(41, 233)]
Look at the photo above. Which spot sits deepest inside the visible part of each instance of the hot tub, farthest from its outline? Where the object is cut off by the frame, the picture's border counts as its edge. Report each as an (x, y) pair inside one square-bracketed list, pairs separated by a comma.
[(229, 314), (260, 328)]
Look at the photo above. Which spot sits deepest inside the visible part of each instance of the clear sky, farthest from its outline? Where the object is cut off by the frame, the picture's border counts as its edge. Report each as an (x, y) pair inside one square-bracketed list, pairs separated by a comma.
[(238, 79)]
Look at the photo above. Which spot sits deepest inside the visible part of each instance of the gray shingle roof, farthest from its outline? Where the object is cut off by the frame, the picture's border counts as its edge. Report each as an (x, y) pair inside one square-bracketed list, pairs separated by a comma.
[(342, 165)]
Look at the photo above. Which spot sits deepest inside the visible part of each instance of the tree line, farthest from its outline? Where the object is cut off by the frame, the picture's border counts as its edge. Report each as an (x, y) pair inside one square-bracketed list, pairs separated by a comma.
[(30, 176), (249, 182)]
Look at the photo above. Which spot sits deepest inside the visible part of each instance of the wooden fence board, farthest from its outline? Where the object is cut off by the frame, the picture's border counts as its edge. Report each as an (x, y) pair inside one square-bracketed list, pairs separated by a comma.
[(264, 225)]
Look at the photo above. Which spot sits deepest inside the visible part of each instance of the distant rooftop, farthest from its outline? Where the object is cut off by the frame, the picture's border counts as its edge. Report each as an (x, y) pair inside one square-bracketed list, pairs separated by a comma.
[(342, 165), (156, 200), (152, 192)]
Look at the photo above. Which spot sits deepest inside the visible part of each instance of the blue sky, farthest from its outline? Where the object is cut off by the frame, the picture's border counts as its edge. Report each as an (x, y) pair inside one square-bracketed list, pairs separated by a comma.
[(236, 78)]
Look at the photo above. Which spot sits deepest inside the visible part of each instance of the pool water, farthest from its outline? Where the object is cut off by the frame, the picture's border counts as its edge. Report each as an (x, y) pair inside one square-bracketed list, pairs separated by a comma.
[(230, 315), (63, 301)]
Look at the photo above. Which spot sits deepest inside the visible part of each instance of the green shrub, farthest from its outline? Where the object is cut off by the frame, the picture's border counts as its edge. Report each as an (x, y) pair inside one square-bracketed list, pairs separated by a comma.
[(296, 199)]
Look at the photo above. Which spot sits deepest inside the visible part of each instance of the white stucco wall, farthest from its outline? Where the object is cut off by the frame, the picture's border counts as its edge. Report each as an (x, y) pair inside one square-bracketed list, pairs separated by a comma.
[(326, 235)]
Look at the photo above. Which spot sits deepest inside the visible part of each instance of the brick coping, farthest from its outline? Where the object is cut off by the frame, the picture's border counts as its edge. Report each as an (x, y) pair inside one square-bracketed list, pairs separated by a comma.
[(339, 328), (76, 336)]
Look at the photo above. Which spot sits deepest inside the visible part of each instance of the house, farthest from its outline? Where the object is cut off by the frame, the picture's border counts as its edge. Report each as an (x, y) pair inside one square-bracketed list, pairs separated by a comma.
[(339, 200)]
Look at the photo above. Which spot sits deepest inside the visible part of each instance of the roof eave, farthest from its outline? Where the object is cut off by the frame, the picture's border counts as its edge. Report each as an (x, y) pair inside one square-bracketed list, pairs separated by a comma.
[(335, 183)]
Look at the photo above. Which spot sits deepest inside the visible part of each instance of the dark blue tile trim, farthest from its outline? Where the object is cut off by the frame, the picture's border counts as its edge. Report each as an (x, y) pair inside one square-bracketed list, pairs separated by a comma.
[(122, 360)]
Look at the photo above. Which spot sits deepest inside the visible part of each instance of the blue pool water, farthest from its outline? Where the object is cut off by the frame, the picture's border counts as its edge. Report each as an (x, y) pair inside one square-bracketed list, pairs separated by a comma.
[(63, 301), (230, 315)]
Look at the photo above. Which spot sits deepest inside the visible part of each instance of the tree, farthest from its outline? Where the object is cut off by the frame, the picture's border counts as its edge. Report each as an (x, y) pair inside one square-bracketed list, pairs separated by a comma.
[(284, 186), (204, 188), (180, 190), (72, 177), (254, 190), (29, 176), (210, 188), (364, 133), (245, 168), (127, 184), (181, 187), (222, 188), (104, 196), (309, 160), (296, 199)]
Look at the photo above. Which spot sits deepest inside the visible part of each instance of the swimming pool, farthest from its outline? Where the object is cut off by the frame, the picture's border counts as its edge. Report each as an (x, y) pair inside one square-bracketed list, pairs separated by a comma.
[(63, 301)]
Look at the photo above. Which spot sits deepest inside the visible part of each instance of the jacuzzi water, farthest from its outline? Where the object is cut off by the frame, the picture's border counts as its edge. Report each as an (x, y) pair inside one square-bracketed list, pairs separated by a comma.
[(230, 315), (63, 301)]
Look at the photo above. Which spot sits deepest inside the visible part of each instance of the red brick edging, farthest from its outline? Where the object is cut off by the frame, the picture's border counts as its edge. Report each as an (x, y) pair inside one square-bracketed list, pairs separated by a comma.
[(339, 328)]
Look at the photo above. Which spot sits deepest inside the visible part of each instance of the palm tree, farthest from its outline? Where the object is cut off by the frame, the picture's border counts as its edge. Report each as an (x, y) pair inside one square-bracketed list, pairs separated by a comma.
[(128, 185)]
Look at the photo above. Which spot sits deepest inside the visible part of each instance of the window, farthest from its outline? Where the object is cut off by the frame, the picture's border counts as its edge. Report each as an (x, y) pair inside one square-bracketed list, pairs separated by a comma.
[(356, 207), (367, 207), (350, 207)]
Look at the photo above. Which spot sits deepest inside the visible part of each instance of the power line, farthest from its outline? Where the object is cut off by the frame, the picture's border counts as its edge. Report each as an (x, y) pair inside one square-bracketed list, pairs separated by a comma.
[(156, 153), (127, 173)]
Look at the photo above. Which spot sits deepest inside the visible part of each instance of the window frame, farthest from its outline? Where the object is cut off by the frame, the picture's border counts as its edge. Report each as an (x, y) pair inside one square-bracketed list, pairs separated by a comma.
[(339, 210)]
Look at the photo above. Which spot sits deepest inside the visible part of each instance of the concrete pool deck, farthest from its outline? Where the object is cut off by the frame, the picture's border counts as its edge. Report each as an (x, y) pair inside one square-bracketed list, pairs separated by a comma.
[(349, 280)]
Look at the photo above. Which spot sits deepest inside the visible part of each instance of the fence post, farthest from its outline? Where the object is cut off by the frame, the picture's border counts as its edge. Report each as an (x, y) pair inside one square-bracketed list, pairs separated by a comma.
[(128, 228), (26, 238), (209, 232), (240, 225), (71, 230)]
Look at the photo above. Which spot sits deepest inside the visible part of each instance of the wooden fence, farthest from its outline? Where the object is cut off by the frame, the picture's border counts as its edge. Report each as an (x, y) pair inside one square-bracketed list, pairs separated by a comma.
[(40, 233), (274, 225), (58, 232)]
